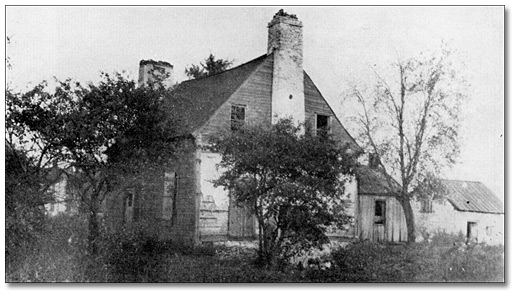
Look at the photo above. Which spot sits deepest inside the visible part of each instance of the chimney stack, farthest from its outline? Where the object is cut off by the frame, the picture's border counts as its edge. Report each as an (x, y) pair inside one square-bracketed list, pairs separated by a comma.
[(150, 71), (285, 42)]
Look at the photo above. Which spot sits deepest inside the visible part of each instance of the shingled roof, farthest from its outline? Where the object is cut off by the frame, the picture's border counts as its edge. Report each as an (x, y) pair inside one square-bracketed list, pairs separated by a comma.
[(472, 196), (371, 181), (195, 101)]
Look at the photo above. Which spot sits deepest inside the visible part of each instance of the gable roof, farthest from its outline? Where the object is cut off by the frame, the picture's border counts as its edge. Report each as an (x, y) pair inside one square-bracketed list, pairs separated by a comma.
[(472, 196), (195, 101), (371, 181)]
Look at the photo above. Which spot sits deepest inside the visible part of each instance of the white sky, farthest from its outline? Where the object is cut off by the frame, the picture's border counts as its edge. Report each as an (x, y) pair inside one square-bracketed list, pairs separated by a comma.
[(340, 43)]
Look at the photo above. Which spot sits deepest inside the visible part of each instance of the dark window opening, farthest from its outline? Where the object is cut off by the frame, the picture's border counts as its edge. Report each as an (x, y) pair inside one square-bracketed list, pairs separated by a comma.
[(471, 232), (129, 199), (238, 117), (380, 210), (322, 125), (426, 206)]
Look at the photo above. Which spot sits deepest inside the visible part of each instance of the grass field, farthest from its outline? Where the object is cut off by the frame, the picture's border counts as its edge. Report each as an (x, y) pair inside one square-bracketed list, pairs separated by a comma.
[(62, 256)]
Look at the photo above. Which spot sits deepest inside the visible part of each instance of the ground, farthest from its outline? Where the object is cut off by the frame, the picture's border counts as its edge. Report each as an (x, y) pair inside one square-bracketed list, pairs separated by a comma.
[(62, 256)]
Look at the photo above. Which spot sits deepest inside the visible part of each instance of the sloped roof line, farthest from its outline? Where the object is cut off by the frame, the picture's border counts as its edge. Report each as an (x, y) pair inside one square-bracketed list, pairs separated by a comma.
[(196, 101), (472, 196), (255, 70), (306, 76), (371, 181)]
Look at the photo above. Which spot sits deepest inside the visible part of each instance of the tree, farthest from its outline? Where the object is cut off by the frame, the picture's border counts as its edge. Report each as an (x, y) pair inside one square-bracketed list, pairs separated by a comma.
[(208, 67), (411, 124), (105, 133), (293, 182)]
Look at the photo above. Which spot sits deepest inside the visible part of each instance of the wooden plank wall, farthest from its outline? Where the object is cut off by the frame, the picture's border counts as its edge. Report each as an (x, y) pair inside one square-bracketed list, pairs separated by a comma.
[(394, 229)]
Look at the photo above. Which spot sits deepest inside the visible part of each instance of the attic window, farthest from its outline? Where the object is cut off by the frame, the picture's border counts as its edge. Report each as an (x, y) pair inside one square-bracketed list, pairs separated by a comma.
[(238, 117), (380, 212), (322, 124)]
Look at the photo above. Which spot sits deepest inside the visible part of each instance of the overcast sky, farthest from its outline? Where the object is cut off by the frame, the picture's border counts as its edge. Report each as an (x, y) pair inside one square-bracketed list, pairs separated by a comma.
[(340, 45)]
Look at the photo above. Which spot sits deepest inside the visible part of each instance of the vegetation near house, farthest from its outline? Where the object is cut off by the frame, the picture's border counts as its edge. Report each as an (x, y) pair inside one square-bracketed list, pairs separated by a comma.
[(409, 119), (208, 67), (106, 133), (294, 183)]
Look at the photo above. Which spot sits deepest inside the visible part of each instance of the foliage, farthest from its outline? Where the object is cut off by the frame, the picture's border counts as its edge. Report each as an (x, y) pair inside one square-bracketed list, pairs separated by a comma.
[(293, 182), (62, 255), (209, 67), (410, 120), (26, 192), (106, 134), (421, 262)]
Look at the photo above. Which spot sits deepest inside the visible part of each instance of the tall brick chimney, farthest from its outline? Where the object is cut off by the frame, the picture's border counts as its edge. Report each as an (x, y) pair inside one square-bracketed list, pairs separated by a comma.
[(150, 70), (285, 41)]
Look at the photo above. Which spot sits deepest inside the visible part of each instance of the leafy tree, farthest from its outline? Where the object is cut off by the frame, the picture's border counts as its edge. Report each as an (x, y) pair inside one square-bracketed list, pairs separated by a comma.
[(410, 120), (109, 134), (293, 182), (208, 67)]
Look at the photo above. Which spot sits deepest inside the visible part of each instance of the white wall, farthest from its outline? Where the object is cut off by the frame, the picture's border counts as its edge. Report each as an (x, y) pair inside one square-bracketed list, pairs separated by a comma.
[(215, 200), (490, 227)]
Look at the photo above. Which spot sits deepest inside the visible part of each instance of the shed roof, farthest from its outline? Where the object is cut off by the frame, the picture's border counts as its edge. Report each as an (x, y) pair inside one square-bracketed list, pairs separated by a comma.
[(371, 181), (472, 196)]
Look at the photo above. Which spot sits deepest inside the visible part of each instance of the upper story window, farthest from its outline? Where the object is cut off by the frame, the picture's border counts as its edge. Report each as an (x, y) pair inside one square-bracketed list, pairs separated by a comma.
[(322, 124), (238, 117)]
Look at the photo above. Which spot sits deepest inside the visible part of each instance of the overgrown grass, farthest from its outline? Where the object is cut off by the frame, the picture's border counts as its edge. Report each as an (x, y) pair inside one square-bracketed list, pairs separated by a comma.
[(443, 261), (125, 257)]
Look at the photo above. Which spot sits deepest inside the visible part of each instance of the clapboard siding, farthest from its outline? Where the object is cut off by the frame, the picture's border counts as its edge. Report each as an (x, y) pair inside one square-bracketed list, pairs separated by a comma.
[(316, 104), (394, 228), (254, 94)]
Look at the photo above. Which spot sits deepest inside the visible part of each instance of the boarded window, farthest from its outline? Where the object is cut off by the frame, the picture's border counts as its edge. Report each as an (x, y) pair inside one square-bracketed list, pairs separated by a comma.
[(238, 117), (169, 210), (380, 212), (322, 125)]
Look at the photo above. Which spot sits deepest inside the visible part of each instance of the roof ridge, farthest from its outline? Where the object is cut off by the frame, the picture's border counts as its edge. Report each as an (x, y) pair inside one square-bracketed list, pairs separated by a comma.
[(228, 70)]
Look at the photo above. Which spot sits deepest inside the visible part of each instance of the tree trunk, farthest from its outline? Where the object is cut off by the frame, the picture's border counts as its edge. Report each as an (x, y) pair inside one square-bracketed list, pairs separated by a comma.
[(410, 221)]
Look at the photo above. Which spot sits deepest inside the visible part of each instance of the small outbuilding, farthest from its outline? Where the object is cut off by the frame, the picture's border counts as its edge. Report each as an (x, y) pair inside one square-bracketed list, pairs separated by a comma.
[(468, 208), (379, 215)]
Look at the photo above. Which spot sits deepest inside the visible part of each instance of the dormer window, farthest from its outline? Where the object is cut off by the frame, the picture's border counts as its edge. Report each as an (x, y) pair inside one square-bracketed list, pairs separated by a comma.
[(238, 117), (322, 124)]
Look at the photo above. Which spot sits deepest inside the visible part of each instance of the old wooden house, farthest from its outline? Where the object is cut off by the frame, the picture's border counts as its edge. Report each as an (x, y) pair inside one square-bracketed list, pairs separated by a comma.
[(183, 203), (468, 208)]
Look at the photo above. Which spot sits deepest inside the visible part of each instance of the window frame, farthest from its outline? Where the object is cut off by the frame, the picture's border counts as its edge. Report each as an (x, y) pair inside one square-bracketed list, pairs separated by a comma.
[(380, 219), (234, 124), (320, 130)]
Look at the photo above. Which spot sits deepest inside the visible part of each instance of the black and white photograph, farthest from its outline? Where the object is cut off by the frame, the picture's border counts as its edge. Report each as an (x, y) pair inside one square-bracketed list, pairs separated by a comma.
[(255, 144)]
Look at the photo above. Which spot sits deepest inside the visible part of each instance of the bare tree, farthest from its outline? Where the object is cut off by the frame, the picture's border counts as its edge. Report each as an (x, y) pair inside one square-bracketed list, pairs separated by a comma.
[(410, 120)]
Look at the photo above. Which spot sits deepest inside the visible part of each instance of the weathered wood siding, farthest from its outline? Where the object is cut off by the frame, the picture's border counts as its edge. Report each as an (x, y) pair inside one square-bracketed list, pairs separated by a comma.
[(149, 196), (315, 104), (254, 94), (394, 228)]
